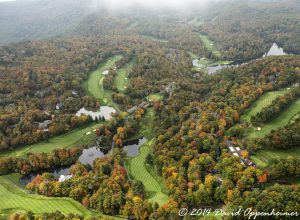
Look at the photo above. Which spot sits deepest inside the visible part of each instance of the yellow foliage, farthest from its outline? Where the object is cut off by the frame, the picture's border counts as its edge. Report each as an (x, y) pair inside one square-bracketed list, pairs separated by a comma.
[(209, 179), (136, 199), (244, 154), (174, 174), (120, 130), (229, 194)]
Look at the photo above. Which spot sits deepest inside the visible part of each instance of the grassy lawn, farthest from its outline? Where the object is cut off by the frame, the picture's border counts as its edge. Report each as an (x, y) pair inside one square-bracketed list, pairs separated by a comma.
[(132, 25), (210, 45), (70, 139), (263, 157), (146, 124), (206, 62), (152, 182), (161, 40), (281, 120), (196, 21), (265, 100), (94, 85), (154, 97), (139, 170), (14, 198), (121, 80), (210, 62)]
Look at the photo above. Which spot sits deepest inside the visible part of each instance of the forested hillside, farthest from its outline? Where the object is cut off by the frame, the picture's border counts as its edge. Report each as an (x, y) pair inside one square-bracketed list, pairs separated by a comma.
[(142, 113)]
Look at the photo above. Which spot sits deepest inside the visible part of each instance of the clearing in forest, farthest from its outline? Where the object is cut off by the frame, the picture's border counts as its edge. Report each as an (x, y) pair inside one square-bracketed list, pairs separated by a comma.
[(152, 182), (121, 80), (264, 156), (210, 46), (14, 198), (70, 139), (155, 97), (265, 100), (94, 85), (280, 121)]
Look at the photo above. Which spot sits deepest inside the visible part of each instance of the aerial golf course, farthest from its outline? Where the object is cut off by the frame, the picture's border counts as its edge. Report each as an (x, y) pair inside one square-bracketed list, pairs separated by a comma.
[(265, 155), (17, 198)]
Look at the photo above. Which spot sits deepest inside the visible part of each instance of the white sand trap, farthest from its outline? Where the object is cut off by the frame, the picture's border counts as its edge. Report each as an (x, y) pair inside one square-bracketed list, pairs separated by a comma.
[(238, 149), (259, 128), (211, 44), (87, 133), (235, 154), (231, 149), (105, 72)]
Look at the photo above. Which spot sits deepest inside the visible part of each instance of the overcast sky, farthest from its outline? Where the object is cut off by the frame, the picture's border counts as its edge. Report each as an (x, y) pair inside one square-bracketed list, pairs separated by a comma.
[(124, 4)]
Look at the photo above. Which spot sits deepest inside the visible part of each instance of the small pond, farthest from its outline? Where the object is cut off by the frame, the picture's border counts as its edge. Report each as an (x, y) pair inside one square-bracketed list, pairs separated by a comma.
[(132, 147), (56, 172), (87, 157), (105, 111)]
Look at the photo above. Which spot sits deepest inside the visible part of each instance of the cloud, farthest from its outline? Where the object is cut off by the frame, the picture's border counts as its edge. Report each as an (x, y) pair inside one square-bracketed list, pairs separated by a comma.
[(7, 0), (151, 4)]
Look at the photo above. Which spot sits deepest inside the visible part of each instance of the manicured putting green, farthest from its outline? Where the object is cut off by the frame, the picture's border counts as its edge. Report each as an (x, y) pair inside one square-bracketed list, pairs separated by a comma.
[(67, 140), (139, 171)]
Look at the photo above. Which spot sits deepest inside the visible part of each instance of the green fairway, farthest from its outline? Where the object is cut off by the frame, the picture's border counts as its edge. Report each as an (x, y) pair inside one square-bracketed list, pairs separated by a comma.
[(281, 120), (161, 40), (263, 157), (70, 139), (210, 62), (152, 182), (156, 97), (210, 45), (265, 100), (94, 85), (14, 198), (196, 21), (206, 61), (121, 80), (132, 25)]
